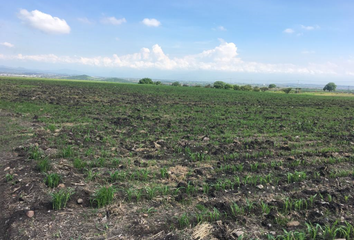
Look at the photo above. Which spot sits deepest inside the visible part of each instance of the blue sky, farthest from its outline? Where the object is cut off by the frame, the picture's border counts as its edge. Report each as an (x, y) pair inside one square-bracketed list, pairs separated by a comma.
[(239, 41)]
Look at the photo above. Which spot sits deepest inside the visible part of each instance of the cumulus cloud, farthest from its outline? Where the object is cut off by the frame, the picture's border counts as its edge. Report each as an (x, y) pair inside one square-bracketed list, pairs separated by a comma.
[(223, 57), (44, 22), (151, 22), (220, 28), (289, 30), (7, 44), (113, 20)]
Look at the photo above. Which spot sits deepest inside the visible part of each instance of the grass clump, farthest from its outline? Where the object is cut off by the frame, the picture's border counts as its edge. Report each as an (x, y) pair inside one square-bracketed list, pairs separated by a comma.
[(61, 198), (52, 180), (103, 196), (43, 165)]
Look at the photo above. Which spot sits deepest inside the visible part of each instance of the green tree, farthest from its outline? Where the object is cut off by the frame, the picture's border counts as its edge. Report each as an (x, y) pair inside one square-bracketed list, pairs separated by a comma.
[(146, 81), (330, 87), (176, 84), (246, 88), (219, 84), (263, 89), (228, 86), (158, 83), (287, 90), (256, 89), (236, 87), (272, 85)]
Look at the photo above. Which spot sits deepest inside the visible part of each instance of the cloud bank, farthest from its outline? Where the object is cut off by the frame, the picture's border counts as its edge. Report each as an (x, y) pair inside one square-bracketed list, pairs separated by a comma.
[(221, 58), (44, 22)]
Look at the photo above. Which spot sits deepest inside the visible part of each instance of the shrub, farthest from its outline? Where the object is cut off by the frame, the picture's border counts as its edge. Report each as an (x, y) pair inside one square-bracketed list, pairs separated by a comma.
[(256, 89), (176, 84), (219, 84), (228, 86), (246, 88), (287, 90), (146, 81), (272, 85), (236, 87)]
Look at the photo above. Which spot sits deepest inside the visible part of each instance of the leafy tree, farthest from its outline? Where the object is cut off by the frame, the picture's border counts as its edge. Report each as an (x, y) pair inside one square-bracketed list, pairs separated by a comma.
[(256, 89), (219, 84), (228, 86), (287, 90), (158, 83), (246, 88), (330, 87), (272, 85), (263, 89), (176, 84), (236, 87), (185, 85), (146, 81)]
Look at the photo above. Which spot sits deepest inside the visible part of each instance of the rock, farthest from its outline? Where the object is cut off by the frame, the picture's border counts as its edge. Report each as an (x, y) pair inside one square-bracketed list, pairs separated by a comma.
[(6, 169), (206, 139), (238, 233), (260, 186), (291, 158), (293, 224), (61, 185), (80, 201), (30, 213)]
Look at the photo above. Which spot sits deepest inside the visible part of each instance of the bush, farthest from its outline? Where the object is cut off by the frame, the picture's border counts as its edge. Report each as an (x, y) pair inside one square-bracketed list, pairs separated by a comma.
[(246, 88), (287, 90), (263, 89), (219, 84), (228, 86), (236, 87), (272, 85), (176, 84), (158, 83), (256, 89), (146, 81)]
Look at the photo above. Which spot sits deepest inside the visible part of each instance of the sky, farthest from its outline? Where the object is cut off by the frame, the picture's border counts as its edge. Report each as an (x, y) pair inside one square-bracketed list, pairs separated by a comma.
[(252, 41)]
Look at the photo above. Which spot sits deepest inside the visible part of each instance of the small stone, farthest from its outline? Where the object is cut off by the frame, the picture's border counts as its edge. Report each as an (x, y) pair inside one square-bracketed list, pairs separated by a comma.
[(260, 186), (57, 130), (293, 224), (6, 169), (239, 233), (30, 213), (61, 185), (80, 201)]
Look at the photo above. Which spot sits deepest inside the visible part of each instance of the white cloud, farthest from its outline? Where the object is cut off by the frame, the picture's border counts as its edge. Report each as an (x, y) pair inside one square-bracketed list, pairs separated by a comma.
[(289, 31), (309, 28), (151, 22), (113, 20), (44, 22), (223, 57), (84, 20), (7, 44)]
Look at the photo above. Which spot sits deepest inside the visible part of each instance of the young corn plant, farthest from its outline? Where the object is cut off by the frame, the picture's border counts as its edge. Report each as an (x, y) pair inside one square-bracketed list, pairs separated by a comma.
[(61, 198), (52, 180), (103, 196)]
